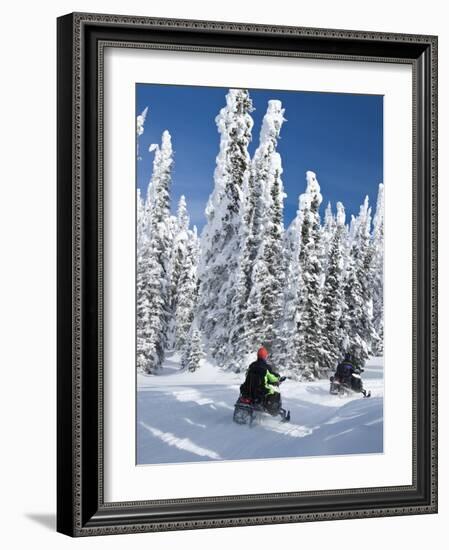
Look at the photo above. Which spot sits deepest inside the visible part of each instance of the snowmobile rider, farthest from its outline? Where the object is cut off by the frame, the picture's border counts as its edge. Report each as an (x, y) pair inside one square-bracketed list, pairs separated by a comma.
[(345, 369), (344, 373), (261, 379)]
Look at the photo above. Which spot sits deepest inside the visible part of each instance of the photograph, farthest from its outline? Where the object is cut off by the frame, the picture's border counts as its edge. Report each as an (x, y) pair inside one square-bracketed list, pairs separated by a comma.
[(259, 279), (247, 275)]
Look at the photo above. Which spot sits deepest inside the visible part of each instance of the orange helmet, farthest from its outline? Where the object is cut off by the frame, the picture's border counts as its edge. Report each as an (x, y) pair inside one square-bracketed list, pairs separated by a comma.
[(262, 353)]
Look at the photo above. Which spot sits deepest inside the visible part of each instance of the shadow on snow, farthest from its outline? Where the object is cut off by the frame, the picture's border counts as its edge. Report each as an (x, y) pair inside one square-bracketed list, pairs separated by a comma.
[(191, 423)]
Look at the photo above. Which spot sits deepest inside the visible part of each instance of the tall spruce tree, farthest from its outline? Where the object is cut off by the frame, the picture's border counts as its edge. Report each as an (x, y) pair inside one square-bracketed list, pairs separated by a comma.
[(327, 233), (333, 293), (292, 243), (308, 351), (142, 304), (187, 291), (257, 307), (360, 335), (140, 128), (178, 258), (378, 271), (141, 223), (193, 352), (221, 235), (275, 284), (153, 284)]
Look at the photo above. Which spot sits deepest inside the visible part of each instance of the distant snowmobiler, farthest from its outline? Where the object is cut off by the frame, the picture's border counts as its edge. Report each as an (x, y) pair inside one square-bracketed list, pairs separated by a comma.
[(347, 379)]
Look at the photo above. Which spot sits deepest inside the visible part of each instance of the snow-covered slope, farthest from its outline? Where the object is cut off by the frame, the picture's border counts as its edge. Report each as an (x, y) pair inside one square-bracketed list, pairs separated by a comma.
[(187, 417)]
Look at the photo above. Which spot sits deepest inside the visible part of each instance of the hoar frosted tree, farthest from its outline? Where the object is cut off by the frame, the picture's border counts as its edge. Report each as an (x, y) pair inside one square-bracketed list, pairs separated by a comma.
[(153, 289), (333, 292), (193, 352), (186, 291), (327, 234), (308, 353), (179, 250), (140, 128), (292, 242), (378, 271), (256, 309), (221, 237), (360, 335)]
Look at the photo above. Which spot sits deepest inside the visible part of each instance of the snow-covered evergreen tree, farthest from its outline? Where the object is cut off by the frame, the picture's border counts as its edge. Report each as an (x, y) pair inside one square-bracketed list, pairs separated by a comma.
[(257, 308), (141, 223), (142, 303), (360, 335), (158, 195), (193, 352), (187, 291), (333, 293), (255, 335), (142, 313), (140, 128), (327, 234), (308, 352), (352, 231), (140, 121), (178, 262), (378, 271), (291, 245), (221, 235), (153, 285)]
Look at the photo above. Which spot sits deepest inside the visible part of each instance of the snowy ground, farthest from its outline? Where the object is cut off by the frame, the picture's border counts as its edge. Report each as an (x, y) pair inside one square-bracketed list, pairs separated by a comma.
[(187, 417)]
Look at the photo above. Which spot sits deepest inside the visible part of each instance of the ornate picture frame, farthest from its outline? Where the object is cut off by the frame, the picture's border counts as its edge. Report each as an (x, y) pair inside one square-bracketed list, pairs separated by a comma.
[(81, 508)]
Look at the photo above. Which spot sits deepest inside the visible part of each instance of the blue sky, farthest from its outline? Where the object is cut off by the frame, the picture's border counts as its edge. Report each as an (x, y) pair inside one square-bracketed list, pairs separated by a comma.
[(338, 136)]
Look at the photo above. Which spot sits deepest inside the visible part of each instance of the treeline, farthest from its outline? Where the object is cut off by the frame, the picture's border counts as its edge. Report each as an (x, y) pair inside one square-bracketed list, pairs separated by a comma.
[(309, 293)]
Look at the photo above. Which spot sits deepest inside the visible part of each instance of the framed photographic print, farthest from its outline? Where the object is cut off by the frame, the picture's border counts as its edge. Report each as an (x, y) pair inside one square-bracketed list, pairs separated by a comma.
[(247, 281)]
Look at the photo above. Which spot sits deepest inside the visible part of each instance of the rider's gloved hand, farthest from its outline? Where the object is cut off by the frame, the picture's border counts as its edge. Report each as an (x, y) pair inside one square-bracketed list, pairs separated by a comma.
[(282, 378)]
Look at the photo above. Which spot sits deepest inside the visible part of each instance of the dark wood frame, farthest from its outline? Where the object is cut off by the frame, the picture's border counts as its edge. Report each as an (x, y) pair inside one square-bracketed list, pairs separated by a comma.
[(81, 509)]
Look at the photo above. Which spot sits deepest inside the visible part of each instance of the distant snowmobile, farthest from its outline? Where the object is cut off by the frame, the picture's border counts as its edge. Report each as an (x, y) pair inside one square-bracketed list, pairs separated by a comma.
[(247, 408), (349, 385)]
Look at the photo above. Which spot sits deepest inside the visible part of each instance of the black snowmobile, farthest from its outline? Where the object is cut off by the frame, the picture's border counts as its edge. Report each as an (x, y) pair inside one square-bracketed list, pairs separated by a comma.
[(348, 385), (247, 408)]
